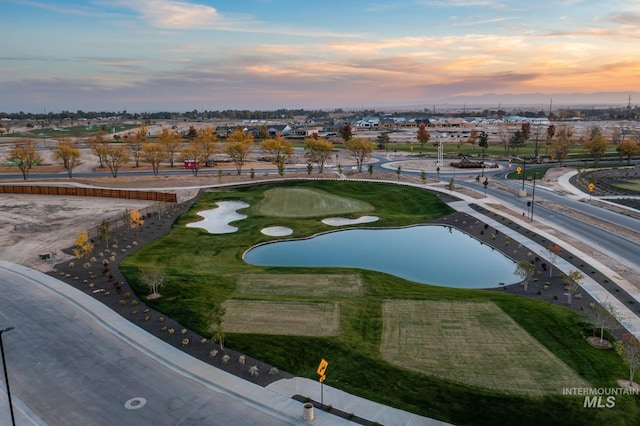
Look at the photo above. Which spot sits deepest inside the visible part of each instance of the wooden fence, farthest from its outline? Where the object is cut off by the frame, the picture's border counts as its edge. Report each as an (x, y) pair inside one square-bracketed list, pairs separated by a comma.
[(89, 192)]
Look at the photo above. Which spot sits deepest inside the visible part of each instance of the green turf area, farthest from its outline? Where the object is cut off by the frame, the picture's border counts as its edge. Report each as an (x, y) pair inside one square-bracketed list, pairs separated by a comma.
[(469, 342), (204, 269), (307, 202)]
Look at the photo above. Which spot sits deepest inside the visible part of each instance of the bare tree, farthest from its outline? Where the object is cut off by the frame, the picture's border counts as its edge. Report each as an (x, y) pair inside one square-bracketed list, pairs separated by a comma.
[(153, 277), (217, 319), (572, 283), (524, 269), (629, 349), (602, 315)]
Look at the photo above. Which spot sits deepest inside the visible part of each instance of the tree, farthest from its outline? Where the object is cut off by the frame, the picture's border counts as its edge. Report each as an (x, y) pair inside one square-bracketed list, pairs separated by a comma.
[(551, 131), (628, 149), (483, 142), (171, 142), (278, 149), (116, 157), (205, 144), (153, 277), (561, 147), (99, 147), (596, 146), (264, 132), (136, 142), (524, 269), (318, 151), (67, 152), (525, 129), (346, 132), (554, 251), (505, 133), (383, 141), (238, 146), (84, 246), (217, 320), (135, 219), (154, 153), (25, 155), (572, 282), (423, 135), (629, 349), (103, 231), (473, 138), (200, 149), (602, 315), (361, 149)]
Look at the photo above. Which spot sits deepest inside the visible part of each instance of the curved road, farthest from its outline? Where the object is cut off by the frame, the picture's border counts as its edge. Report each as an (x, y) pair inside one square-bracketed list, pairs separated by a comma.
[(91, 374)]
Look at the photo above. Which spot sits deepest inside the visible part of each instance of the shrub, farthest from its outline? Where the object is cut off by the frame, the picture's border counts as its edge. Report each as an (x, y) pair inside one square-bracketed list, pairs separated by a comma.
[(204, 340), (183, 331), (127, 295), (164, 328), (134, 312), (171, 331), (213, 353), (254, 371), (147, 318), (122, 302), (72, 265), (226, 358), (273, 371), (241, 359), (185, 341), (134, 303), (161, 319)]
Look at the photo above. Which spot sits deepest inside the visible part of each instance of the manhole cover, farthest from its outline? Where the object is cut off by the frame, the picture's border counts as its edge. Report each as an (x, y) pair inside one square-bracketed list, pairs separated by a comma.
[(135, 403)]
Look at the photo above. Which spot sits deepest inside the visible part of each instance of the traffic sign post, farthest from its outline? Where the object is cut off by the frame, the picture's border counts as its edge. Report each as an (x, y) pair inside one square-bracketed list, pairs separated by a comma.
[(321, 370), (591, 187)]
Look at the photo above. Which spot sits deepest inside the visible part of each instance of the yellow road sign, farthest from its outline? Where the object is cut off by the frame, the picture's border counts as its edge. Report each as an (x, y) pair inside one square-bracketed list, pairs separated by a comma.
[(322, 367), (519, 170), (322, 378), (591, 187)]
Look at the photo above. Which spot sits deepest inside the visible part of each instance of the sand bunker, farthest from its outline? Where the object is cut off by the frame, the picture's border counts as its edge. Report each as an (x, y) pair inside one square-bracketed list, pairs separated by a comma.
[(339, 221), (216, 221), (277, 231)]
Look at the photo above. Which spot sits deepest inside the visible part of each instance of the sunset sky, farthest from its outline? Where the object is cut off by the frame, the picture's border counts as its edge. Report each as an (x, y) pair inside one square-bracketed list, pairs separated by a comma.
[(162, 55)]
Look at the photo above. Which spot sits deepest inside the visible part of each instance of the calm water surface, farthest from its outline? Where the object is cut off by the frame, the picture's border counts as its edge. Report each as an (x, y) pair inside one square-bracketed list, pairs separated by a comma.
[(436, 255)]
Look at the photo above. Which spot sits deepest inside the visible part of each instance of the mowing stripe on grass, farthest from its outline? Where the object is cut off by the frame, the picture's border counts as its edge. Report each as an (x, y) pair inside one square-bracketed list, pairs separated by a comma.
[(313, 285), (306, 202), (282, 318), (475, 343)]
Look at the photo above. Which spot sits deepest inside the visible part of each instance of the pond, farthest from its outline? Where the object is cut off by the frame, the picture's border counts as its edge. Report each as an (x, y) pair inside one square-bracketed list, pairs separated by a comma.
[(427, 254)]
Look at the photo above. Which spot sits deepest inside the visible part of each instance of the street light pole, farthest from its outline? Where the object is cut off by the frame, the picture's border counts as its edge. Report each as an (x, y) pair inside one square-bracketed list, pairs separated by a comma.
[(524, 173), (6, 376), (533, 195)]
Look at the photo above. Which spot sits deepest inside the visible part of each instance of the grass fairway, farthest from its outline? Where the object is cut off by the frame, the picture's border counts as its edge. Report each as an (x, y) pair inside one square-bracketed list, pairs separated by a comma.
[(203, 269), (282, 318), (306, 202), (316, 285), (468, 342)]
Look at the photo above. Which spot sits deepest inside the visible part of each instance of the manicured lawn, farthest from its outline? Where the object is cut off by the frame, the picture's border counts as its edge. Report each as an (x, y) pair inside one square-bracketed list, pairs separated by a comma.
[(546, 340)]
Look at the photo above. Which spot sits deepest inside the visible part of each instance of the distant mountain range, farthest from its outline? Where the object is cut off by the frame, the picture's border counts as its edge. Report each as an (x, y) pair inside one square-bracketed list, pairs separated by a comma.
[(542, 101)]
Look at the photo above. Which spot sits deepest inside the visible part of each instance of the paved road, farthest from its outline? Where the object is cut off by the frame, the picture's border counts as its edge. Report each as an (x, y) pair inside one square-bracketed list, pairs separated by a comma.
[(69, 370)]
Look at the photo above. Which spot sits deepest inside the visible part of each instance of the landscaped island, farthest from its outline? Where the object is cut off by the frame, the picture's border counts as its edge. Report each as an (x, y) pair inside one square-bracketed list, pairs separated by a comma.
[(463, 356)]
